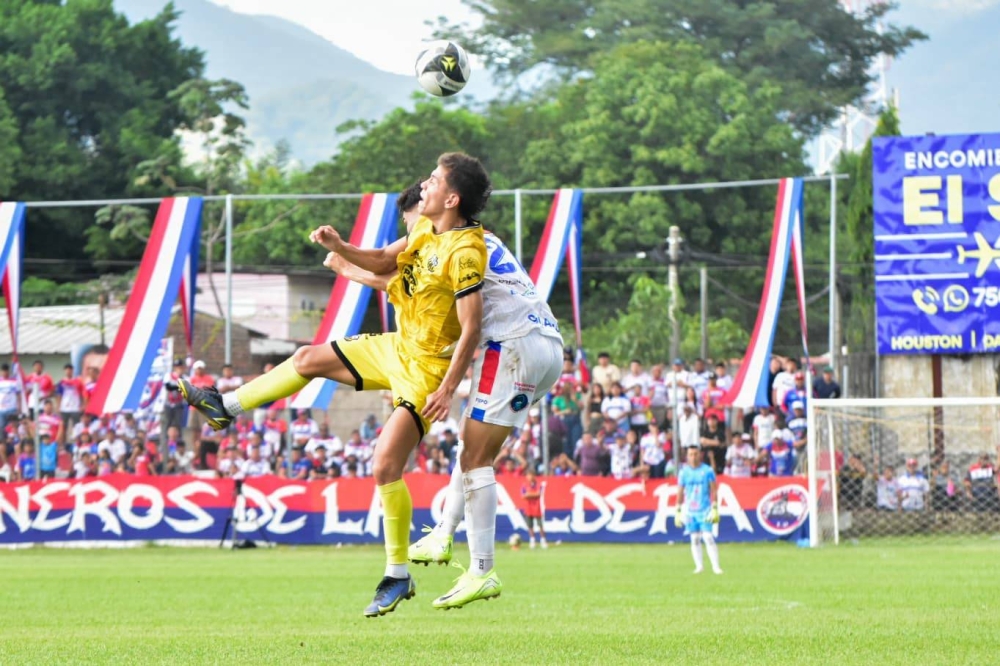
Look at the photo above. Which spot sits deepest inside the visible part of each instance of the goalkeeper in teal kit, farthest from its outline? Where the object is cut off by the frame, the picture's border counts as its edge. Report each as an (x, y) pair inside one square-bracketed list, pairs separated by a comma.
[(698, 508)]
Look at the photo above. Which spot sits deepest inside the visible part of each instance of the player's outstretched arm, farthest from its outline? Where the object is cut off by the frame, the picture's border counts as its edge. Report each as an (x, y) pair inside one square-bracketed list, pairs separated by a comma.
[(379, 261), (469, 309), (341, 266)]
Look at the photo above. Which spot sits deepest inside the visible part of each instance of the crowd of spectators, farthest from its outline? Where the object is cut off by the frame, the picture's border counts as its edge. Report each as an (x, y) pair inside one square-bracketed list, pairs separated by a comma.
[(935, 487), (621, 424), (55, 437), (617, 424)]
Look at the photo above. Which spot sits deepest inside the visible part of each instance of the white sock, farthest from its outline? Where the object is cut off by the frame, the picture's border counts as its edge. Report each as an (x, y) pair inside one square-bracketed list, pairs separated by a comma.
[(696, 550), (232, 403), (396, 570), (454, 505), (713, 550), (481, 517)]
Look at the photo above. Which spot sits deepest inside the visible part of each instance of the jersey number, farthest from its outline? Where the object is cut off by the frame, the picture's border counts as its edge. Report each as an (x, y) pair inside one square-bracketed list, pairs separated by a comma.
[(499, 262)]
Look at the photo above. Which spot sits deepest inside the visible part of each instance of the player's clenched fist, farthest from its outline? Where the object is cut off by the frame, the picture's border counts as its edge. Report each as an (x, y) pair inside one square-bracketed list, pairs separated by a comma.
[(328, 237)]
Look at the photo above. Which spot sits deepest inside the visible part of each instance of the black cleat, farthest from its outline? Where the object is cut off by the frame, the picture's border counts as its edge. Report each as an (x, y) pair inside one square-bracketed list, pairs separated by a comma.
[(207, 401)]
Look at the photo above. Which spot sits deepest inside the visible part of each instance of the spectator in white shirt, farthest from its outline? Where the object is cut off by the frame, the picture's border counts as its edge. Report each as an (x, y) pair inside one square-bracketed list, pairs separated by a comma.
[(913, 487), (114, 445), (722, 378), (698, 377), (887, 492), (659, 397), (10, 396), (255, 465), (605, 372), (653, 456), (677, 380), (635, 376), (784, 382), (740, 456), (763, 427), (228, 381), (334, 447), (229, 464), (617, 407), (303, 428), (690, 427)]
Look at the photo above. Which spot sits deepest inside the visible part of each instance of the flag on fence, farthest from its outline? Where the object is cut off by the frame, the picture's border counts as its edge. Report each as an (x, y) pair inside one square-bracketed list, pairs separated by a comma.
[(189, 280), (565, 214), (147, 313), (750, 387), (11, 259), (345, 311), (563, 238)]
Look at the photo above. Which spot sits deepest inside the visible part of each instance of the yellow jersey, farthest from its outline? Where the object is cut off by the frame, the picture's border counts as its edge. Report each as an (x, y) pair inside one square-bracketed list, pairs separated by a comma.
[(435, 270)]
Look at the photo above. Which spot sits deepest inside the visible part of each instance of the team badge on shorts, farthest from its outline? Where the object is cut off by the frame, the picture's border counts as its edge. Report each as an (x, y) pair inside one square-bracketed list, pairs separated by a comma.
[(519, 402)]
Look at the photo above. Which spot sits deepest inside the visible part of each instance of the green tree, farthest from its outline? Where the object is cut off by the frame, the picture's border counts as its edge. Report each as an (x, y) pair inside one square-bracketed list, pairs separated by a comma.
[(89, 97), (642, 330), (821, 54), (392, 153), (859, 286), (660, 114)]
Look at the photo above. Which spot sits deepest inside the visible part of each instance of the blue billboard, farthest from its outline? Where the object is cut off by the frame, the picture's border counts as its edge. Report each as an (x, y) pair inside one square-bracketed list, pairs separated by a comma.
[(937, 243)]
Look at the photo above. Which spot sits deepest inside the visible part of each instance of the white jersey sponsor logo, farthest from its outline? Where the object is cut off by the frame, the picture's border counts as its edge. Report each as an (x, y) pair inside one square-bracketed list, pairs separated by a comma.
[(513, 306)]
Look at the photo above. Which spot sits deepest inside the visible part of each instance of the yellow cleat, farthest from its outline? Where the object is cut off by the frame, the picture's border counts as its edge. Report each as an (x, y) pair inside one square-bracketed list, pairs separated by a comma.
[(470, 587), (431, 548)]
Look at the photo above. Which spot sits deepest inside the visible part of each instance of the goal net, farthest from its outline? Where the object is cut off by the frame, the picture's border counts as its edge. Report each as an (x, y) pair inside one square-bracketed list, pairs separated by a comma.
[(903, 467)]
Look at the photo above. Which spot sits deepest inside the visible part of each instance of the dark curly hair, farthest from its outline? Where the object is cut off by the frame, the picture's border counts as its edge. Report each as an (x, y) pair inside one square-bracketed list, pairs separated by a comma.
[(408, 198), (467, 178)]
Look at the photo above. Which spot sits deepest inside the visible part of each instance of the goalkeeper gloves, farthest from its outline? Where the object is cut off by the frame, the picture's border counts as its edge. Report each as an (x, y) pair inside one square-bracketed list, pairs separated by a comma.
[(713, 515), (679, 518)]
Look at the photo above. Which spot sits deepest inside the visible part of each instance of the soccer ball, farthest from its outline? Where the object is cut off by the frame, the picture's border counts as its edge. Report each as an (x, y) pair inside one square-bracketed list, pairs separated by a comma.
[(514, 541), (442, 68)]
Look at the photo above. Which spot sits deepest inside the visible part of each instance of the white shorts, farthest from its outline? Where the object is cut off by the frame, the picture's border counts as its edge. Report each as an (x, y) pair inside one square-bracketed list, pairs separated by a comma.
[(510, 376)]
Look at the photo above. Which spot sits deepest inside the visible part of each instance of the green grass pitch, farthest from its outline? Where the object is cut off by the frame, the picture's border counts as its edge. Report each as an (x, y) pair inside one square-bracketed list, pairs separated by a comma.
[(880, 603)]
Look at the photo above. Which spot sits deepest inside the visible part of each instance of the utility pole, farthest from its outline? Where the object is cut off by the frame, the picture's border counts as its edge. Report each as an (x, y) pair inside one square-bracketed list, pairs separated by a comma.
[(674, 249), (102, 300), (703, 275)]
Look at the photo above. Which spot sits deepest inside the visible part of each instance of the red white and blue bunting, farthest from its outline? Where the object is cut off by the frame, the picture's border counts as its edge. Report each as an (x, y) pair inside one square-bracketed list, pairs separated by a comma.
[(174, 237), (189, 280), (750, 387), (11, 260), (563, 239), (374, 227)]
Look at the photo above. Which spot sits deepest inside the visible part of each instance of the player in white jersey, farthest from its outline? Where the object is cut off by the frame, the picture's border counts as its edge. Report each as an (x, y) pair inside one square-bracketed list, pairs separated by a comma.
[(520, 359)]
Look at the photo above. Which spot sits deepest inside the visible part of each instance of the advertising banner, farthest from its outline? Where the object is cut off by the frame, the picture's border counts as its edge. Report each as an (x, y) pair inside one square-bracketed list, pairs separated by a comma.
[(937, 243), (127, 508)]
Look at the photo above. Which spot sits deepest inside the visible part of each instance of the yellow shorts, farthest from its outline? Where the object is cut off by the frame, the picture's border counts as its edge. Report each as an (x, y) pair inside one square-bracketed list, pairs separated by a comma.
[(381, 361)]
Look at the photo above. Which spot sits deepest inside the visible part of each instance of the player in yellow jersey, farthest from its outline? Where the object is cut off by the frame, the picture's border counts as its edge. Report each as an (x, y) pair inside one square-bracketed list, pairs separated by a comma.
[(438, 298)]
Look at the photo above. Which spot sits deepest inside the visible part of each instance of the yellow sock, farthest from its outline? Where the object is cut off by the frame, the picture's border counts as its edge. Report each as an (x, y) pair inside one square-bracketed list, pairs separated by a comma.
[(281, 382), (397, 512)]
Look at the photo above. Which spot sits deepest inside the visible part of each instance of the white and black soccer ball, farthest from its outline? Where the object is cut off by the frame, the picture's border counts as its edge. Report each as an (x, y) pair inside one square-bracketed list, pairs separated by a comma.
[(442, 68)]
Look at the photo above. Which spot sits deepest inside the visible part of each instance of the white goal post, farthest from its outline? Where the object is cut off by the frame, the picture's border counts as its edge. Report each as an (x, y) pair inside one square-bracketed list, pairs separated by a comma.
[(866, 459)]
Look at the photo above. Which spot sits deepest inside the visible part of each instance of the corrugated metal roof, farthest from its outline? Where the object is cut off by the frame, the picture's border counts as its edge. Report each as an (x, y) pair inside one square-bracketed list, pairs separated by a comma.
[(55, 329)]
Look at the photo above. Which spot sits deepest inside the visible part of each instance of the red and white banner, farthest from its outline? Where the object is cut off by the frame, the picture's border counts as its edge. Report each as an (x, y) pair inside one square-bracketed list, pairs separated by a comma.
[(750, 386), (374, 227), (175, 230), (128, 508)]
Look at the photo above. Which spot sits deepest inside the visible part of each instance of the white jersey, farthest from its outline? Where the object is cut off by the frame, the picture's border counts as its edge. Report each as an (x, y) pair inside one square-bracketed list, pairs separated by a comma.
[(513, 307)]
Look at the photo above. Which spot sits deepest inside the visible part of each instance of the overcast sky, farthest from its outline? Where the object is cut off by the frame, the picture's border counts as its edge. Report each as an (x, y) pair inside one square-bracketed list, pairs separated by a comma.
[(386, 33)]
